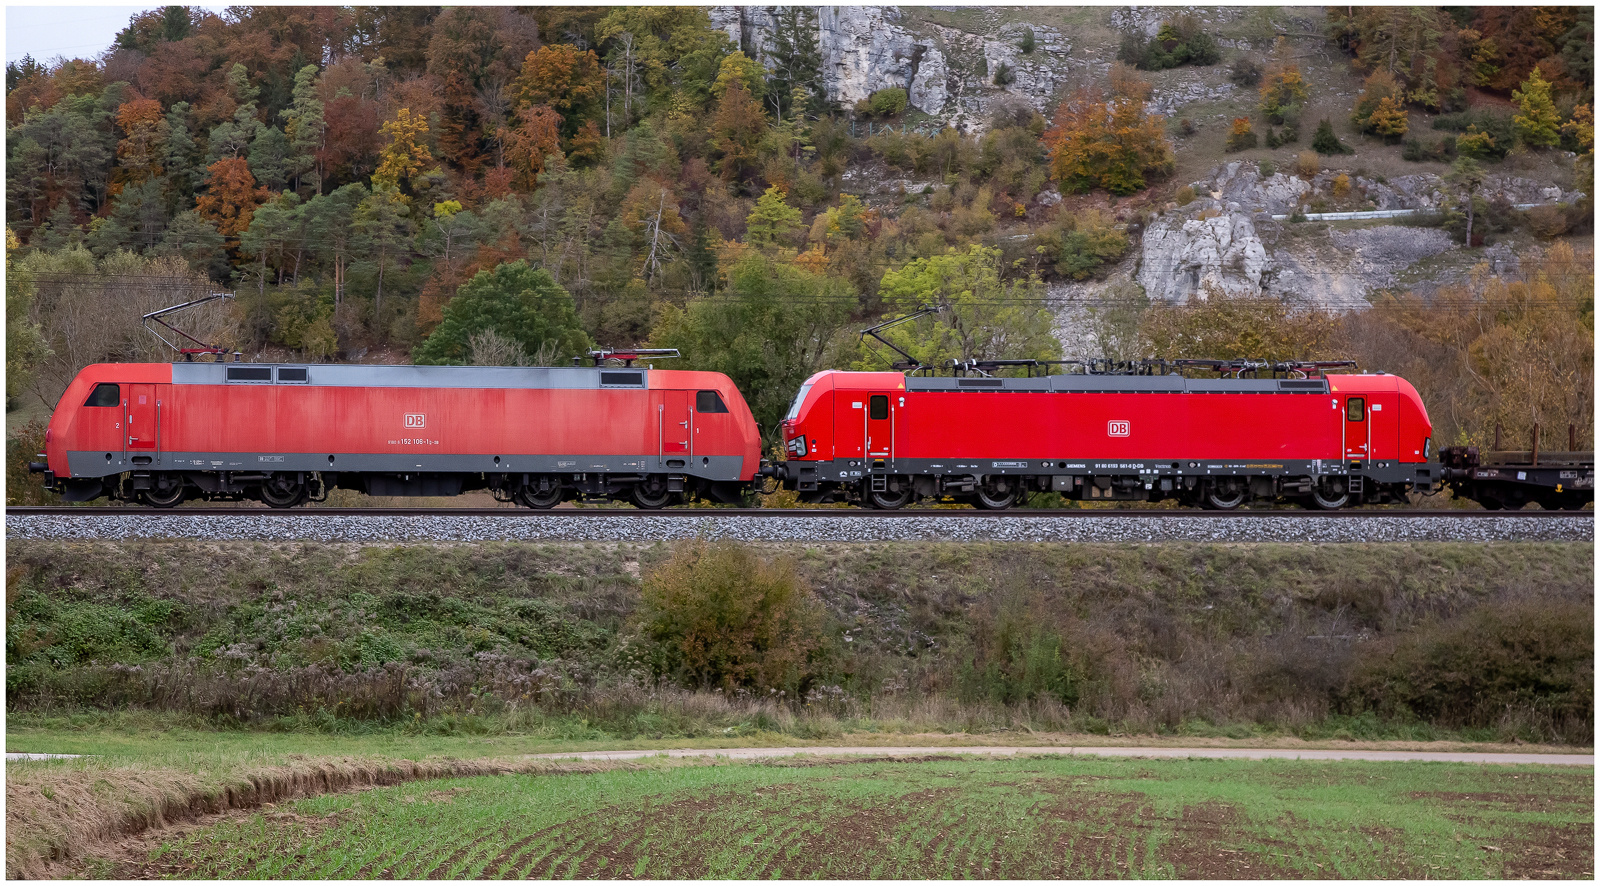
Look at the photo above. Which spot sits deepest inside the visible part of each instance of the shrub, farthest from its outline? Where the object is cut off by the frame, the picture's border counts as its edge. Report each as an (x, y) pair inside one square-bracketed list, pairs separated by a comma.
[(1004, 75), (1185, 126), (1241, 137), (888, 102), (1549, 221), (1185, 195), (1244, 72), (1341, 186), (1477, 145), (1267, 168), (1026, 44), (1528, 659), (1326, 142), (1179, 42), (1094, 241), (717, 614), (1307, 164), (1499, 129)]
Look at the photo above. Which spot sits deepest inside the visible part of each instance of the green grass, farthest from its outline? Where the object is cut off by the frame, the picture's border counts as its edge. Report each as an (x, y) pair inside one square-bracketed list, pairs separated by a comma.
[(1025, 818)]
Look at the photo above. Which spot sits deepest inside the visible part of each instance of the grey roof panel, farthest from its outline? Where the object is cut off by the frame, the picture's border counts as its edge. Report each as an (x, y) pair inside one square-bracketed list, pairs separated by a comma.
[(385, 376)]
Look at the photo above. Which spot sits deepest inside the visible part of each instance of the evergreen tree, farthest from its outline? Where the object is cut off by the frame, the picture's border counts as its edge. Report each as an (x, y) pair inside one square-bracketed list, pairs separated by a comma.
[(306, 128), (195, 239), (60, 230), (383, 230), (330, 231), (1539, 124), (138, 221), (269, 158), (796, 61), (179, 157), (1327, 142), (772, 221)]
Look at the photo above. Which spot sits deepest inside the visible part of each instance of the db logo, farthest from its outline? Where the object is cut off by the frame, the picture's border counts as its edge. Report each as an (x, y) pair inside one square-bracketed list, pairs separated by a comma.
[(1116, 429), (416, 420)]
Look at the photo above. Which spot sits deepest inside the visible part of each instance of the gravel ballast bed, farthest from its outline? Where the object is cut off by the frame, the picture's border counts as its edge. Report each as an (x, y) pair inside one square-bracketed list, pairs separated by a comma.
[(1110, 528)]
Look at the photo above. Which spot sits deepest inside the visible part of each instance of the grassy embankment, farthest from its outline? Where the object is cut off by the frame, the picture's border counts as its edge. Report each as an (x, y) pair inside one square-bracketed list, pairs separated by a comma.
[(1407, 641), (1023, 819)]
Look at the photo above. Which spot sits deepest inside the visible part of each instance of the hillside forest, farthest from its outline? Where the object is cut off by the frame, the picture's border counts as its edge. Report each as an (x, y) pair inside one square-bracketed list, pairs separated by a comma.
[(516, 185)]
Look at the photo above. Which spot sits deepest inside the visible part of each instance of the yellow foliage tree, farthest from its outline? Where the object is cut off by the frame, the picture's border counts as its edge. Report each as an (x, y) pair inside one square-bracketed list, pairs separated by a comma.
[(405, 156)]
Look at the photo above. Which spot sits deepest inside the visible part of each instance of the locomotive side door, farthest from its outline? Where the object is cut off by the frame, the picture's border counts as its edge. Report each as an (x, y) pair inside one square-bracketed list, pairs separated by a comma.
[(1357, 429), (674, 426), (849, 424), (879, 432), (144, 436)]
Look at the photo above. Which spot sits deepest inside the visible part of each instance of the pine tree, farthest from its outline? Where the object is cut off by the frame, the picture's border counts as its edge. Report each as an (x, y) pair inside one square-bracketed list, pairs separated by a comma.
[(1327, 142), (383, 230), (306, 129), (1539, 124), (796, 60), (269, 159)]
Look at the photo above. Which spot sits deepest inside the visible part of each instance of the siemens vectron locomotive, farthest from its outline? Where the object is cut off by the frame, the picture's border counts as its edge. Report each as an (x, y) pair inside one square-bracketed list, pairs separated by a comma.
[(886, 439), (282, 434)]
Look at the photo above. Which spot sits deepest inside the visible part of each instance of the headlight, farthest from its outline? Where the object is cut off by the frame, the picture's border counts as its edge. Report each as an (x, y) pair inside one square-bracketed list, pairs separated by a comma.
[(1426, 442), (798, 446)]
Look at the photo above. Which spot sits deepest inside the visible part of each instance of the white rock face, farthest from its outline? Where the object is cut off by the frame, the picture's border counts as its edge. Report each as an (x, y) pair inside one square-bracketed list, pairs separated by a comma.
[(1184, 257)]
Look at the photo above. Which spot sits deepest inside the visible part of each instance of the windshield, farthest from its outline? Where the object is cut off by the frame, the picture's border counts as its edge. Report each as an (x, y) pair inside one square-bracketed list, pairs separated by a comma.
[(794, 408)]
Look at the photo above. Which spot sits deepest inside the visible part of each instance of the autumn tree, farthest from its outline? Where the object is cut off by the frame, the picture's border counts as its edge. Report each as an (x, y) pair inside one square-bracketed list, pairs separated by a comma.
[(405, 157), (1380, 87), (772, 220), (1539, 124), (1283, 92), (560, 77), (1240, 136), (1215, 325), (1110, 144), (536, 136), (383, 231), (231, 198), (144, 130), (650, 211), (737, 129)]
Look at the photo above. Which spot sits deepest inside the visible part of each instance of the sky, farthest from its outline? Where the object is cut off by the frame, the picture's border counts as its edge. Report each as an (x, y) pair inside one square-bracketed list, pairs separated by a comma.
[(45, 32)]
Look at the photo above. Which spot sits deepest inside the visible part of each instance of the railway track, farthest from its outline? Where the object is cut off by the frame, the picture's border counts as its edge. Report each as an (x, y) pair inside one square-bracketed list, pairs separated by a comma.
[(817, 513)]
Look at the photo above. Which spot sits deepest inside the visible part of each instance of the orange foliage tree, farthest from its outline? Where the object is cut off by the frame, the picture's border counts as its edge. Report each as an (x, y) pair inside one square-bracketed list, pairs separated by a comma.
[(139, 152), (536, 136), (231, 197), (560, 76), (1110, 144)]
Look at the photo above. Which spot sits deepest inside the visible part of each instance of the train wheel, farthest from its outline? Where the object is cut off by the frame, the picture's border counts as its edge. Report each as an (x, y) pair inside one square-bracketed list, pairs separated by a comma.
[(1326, 502), (651, 495), (165, 498), (540, 499), (996, 494), (891, 499), (283, 491), (1222, 498)]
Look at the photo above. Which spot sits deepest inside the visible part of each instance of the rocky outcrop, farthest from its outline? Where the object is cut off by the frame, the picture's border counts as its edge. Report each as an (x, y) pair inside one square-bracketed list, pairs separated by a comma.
[(1199, 256)]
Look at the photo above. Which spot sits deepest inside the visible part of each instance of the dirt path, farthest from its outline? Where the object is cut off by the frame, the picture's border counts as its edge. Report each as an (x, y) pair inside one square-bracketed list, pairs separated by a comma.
[(1210, 753)]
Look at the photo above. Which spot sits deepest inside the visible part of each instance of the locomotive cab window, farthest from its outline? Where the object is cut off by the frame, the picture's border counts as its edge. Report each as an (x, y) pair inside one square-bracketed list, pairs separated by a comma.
[(709, 401), (879, 407), (292, 374), (1356, 409), (250, 373), (104, 395)]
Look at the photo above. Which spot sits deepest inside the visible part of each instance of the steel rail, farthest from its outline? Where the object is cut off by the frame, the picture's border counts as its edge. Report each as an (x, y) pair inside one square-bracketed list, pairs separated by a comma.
[(818, 513)]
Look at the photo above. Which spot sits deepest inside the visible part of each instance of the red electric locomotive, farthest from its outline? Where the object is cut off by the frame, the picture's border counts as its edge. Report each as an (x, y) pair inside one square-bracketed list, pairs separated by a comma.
[(885, 439), (160, 433)]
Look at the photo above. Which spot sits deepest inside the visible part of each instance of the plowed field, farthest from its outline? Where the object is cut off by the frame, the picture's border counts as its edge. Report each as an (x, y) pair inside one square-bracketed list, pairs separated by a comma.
[(1031, 818)]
